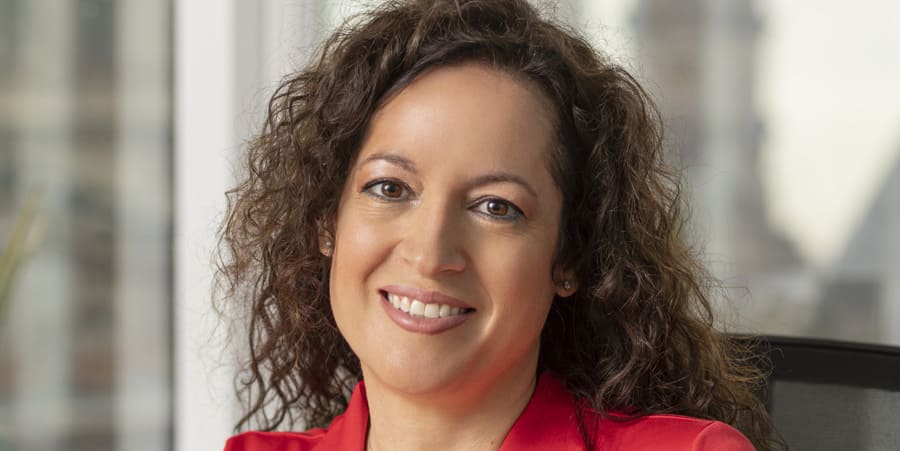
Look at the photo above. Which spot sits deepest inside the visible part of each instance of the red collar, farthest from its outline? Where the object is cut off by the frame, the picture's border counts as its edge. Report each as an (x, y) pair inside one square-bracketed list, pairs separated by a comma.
[(548, 422)]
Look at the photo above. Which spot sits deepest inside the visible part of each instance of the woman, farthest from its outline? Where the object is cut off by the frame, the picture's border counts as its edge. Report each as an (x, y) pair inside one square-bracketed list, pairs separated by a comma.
[(460, 213)]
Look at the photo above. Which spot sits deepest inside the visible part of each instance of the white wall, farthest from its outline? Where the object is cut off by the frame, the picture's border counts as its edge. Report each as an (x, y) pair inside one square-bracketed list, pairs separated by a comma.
[(229, 56), (204, 119)]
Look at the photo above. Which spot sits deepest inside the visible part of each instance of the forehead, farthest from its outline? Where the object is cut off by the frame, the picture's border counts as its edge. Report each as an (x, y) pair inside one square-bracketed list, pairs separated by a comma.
[(468, 109)]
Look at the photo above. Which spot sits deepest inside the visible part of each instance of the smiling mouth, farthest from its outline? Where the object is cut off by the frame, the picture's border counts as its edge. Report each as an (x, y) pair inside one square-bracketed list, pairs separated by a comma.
[(418, 309)]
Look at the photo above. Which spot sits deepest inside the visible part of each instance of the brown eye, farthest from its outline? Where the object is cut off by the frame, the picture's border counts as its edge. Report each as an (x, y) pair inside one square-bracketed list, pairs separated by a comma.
[(388, 190), (391, 190), (497, 208)]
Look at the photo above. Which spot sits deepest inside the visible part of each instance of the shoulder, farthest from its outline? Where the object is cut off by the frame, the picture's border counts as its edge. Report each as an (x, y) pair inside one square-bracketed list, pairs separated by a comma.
[(275, 441), (670, 432), (346, 431), (553, 419)]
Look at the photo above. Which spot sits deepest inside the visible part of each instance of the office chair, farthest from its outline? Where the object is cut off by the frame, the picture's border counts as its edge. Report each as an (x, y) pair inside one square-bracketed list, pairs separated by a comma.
[(830, 395)]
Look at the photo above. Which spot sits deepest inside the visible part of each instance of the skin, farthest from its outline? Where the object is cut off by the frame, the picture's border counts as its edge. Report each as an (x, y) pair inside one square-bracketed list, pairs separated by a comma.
[(423, 207)]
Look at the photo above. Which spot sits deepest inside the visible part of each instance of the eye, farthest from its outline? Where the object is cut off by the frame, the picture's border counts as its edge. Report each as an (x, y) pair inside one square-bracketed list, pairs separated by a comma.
[(496, 208), (499, 209), (389, 190)]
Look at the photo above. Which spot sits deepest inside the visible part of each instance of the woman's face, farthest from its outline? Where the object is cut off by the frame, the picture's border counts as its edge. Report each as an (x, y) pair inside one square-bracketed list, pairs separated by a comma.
[(451, 214)]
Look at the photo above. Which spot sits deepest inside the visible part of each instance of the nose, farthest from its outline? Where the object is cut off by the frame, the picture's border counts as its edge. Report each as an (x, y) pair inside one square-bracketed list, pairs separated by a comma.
[(433, 242)]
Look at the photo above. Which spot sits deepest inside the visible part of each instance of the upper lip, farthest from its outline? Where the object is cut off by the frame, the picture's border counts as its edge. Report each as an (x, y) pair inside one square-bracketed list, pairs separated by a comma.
[(425, 296)]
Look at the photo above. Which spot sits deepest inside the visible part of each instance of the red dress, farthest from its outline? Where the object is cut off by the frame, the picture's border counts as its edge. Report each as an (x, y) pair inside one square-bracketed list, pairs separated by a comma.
[(547, 423)]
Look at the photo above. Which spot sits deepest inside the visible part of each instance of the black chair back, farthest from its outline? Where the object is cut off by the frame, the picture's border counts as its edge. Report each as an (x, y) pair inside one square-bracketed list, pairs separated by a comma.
[(829, 395)]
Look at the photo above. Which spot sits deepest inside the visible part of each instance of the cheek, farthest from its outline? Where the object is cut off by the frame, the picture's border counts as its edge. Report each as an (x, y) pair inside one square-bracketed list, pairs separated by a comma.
[(359, 247), (361, 235), (356, 237), (519, 279)]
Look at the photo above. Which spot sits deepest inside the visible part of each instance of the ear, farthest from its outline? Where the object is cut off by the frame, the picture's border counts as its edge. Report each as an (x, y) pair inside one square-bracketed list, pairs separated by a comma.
[(566, 284), (326, 240)]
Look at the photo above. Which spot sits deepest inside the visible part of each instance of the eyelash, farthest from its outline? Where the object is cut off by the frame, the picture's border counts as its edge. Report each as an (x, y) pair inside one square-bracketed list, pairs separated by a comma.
[(515, 213)]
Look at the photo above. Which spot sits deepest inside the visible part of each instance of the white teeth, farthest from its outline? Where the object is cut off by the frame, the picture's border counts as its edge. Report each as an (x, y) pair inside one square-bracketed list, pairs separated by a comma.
[(416, 307), (432, 310)]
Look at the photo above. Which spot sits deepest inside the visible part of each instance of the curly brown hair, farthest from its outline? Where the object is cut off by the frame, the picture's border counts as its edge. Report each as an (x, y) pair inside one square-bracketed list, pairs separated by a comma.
[(638, 334)]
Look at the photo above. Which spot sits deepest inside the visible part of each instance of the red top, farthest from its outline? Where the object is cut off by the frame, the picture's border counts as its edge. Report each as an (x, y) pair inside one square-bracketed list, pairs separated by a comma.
[(547, 423)]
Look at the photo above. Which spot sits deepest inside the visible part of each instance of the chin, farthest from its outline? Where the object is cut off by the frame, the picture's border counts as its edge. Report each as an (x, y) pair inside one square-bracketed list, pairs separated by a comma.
[(417, 376)]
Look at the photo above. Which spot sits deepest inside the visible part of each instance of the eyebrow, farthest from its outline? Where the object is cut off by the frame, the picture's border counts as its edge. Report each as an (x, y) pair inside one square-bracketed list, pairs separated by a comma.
[(486, 179), (503, 177), (403, 162)]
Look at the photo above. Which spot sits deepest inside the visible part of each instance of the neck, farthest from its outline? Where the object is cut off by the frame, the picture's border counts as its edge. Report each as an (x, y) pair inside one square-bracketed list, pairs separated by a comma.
[(476, 420)]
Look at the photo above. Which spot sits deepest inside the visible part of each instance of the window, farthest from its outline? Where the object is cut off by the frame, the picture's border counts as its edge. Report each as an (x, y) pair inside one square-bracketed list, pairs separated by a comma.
[(85, 144), (780, 114)]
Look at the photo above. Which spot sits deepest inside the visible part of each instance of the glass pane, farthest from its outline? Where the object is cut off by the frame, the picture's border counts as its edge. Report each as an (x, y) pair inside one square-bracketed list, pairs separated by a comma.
[(85, 180), (782, 114)]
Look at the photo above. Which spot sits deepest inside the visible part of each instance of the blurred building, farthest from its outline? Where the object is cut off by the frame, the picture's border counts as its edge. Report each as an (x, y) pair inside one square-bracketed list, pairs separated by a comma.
[(861, 297), (699, 59), (85, 120)]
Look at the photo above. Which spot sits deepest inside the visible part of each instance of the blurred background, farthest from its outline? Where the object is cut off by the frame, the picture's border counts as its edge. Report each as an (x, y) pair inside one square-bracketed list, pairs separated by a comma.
[(121, 122)]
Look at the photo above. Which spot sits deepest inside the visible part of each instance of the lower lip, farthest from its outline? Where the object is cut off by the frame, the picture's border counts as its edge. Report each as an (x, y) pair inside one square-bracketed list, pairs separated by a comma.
[(421, 324)]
